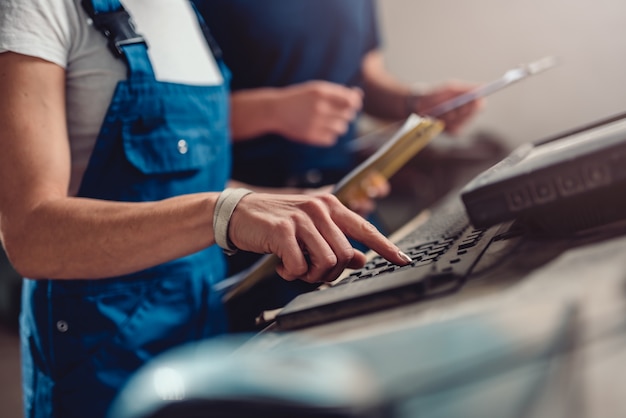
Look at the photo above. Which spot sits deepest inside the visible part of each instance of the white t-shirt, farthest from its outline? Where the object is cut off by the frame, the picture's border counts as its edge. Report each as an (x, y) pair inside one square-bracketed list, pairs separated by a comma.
[(60, 31)]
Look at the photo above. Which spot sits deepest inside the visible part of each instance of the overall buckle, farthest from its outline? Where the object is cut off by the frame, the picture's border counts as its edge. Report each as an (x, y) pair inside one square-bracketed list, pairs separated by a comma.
[(119, 29)]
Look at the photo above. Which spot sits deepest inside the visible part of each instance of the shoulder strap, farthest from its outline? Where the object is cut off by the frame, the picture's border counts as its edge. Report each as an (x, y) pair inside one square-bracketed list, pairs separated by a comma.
[(110, 18), (215, 48)]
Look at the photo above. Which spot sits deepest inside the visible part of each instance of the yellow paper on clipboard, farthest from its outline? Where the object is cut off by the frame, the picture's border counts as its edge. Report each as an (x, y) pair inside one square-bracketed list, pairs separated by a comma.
[(414, 134)]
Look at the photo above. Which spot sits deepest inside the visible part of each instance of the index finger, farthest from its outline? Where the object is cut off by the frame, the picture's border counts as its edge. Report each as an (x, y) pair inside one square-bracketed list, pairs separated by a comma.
[(358, 228)]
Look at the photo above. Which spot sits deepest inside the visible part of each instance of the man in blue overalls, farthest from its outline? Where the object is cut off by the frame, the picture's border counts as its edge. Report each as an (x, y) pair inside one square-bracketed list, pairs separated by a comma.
[(147, 210), (102, 330)]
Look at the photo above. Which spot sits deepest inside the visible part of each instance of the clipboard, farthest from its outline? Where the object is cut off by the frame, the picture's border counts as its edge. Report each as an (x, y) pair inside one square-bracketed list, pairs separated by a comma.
[(414, 134), (510, 77)]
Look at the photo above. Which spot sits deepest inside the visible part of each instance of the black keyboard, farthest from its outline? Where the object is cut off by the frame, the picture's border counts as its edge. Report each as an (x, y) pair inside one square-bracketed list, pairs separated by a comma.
[(443, 251), (453, 254)]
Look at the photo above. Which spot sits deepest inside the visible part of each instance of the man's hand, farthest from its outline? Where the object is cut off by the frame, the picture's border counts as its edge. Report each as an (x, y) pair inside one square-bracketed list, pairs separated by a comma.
[(457, 118), (362, 198), (308, 233), (315, 112)]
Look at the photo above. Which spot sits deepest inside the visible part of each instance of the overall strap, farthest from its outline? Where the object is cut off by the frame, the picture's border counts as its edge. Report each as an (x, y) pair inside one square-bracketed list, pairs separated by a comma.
[(110, 18), (213, 45)]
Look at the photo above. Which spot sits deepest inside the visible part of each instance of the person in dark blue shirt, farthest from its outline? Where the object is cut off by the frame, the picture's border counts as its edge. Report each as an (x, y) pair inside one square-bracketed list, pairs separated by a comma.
[(302, 71)]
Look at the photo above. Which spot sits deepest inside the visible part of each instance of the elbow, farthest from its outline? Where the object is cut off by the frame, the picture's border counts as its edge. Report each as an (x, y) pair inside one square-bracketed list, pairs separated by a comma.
[(23, 261), (17, 260), (30, 245)]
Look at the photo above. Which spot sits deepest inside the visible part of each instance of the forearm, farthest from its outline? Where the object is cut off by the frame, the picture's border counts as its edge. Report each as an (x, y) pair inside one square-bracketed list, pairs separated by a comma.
[(387, 102), (252, 113), (385, 96), (75, 238)]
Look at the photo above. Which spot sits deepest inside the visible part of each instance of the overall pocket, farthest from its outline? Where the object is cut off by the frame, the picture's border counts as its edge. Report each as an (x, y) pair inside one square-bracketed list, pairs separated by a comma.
[(176, 156)]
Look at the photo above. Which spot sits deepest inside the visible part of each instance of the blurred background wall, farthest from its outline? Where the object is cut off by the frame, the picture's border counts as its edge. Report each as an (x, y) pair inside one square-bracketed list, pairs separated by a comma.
[(428, 41)]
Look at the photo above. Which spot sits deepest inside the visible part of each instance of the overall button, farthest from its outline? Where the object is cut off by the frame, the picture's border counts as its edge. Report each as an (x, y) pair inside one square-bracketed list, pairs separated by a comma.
[(313, 176), (182, 146), (62, 326)]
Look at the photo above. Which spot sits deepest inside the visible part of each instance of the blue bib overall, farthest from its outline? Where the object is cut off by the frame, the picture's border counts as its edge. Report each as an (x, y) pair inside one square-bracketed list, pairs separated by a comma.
[(82, 339)]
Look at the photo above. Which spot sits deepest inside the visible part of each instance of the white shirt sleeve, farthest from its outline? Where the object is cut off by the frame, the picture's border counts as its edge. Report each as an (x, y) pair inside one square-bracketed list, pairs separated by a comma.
[(41, 29)]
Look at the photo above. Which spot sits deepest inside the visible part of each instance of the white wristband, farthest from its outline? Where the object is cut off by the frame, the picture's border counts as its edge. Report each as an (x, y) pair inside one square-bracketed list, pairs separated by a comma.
[(224, 208)]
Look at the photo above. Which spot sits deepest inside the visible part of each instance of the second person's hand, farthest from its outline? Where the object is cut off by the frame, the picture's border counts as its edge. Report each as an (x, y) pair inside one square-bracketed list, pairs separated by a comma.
[(315, 112), (456, 119)]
